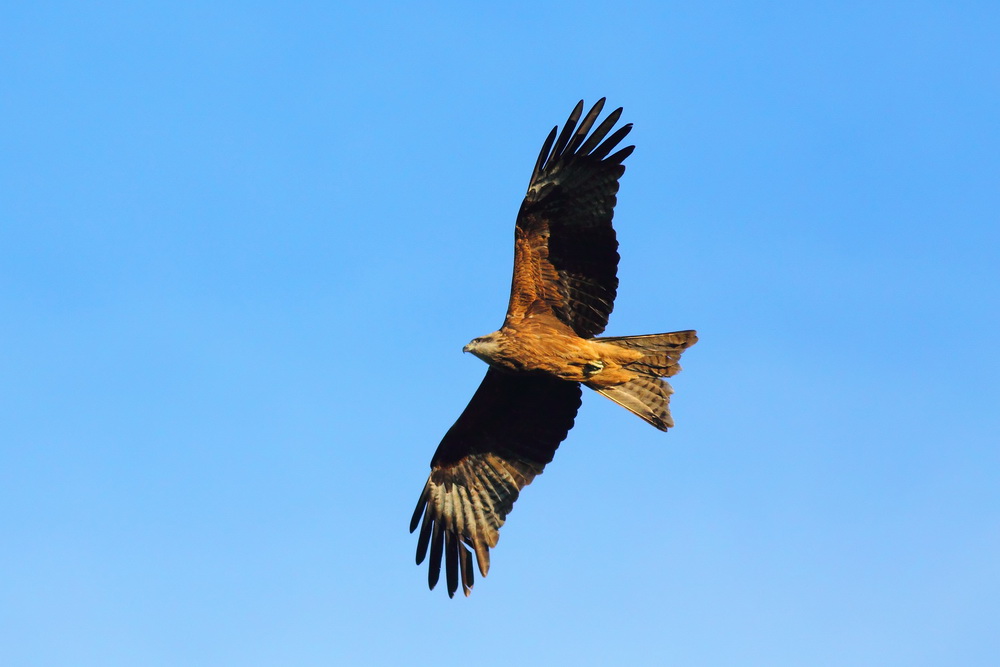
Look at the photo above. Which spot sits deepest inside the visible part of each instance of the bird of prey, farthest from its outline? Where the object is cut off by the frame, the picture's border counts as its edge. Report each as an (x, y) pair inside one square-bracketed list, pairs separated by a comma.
[(563, 289)]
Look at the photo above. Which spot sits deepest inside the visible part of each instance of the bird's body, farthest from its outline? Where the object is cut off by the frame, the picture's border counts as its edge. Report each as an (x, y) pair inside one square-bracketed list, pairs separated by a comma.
[(562, 292), (545, 346)]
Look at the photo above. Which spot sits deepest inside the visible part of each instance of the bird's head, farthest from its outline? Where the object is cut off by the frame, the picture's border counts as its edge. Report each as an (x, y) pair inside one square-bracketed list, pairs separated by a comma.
[(484, 347)]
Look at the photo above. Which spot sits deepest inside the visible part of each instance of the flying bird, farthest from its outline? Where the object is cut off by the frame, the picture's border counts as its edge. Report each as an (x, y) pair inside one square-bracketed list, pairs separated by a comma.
[(563, 290)]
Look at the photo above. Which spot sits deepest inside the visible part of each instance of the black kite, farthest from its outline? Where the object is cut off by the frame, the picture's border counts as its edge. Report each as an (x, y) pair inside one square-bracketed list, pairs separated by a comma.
[(563, 290)]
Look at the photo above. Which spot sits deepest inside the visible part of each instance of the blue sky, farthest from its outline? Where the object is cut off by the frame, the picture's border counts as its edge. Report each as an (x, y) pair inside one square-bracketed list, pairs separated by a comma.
[(242, 246)]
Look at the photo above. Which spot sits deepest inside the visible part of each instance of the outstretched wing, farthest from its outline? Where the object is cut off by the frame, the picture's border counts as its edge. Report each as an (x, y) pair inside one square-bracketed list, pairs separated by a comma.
[(565, 250), (509, 431)]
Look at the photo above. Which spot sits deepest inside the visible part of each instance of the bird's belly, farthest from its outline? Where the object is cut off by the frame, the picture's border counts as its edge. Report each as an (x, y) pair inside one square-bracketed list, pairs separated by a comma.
[(571, 359)]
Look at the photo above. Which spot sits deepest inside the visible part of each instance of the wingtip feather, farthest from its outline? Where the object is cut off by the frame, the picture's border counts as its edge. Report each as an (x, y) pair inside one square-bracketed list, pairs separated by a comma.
[(434, 569), (419, 511), (602, 130), (424, 540), (543, 155), (601, 151), (468, 576), (451, 547), (567, 130)]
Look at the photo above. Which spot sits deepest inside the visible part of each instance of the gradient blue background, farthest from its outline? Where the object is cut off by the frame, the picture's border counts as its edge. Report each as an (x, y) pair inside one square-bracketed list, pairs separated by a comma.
[(242, 245)]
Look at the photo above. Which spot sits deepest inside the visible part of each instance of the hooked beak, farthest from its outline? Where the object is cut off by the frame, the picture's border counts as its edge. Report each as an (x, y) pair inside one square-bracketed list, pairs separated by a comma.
[(467, 348)]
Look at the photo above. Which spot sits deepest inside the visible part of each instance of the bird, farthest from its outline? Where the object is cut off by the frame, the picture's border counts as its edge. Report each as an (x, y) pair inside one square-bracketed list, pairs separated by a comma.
[(562, 292)]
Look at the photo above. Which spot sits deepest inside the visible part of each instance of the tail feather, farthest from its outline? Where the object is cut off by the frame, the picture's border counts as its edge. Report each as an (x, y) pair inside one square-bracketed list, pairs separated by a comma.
[(647, 395), (662, 352)]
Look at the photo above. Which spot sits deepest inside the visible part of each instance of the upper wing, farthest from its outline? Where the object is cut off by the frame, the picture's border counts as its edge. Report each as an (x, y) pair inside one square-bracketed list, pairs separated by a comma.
[(565, 250), (509, 431)]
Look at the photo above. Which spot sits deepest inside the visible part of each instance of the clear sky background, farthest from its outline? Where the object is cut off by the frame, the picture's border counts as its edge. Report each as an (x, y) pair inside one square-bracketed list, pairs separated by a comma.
[(243, 244)]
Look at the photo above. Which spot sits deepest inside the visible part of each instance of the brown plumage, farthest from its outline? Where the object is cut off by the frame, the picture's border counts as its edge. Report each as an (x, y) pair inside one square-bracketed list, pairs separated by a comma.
[(563, 290)]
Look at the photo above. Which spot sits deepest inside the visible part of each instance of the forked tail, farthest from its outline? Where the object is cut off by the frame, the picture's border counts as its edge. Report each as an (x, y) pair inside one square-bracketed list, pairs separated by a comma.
[(648, 396)]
